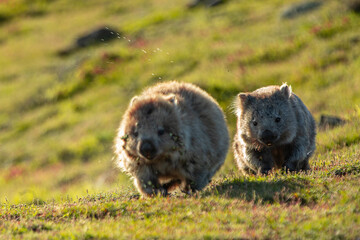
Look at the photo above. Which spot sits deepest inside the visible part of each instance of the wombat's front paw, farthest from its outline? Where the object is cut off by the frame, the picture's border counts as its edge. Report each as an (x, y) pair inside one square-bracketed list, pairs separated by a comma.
[(188, 187), (265, 170), (154, 192), (291, 166), (163, 192), (150, 189)]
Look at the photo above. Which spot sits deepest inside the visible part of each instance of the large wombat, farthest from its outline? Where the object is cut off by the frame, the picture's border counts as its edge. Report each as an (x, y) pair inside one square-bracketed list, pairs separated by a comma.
[(173, 134)]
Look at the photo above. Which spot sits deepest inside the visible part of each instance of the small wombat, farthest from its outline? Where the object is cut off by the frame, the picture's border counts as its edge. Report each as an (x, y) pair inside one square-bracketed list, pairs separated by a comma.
[(274, 130), (173, 134)]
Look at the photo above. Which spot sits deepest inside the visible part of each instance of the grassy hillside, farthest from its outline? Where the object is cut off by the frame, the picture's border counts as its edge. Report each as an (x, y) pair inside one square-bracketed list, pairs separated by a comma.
[(58, 116)]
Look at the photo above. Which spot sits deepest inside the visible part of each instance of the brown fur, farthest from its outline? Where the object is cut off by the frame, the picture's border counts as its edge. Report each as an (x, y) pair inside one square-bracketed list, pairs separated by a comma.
[(274, 130), (173, 134)]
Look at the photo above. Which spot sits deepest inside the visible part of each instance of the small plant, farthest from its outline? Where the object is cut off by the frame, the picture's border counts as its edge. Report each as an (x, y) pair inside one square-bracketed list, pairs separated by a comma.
[(331, 27)]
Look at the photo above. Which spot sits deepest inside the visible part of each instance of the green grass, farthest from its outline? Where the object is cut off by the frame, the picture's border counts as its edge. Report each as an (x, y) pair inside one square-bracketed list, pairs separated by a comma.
[(319, 205), (58, 117)]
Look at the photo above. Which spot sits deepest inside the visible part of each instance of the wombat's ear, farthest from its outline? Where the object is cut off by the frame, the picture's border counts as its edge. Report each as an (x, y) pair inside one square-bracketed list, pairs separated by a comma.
[(242, 97), (243, 100), (171, 98), (133, 100), (286, 90)]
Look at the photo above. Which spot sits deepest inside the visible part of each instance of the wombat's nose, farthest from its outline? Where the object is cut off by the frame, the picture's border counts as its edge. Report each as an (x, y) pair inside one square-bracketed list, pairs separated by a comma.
[(268, 137), (147, 149)]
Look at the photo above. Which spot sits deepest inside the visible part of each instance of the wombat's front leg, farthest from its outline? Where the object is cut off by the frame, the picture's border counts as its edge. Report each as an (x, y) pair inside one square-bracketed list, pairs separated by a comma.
[(260, 161), (298, 157), (192, 186), (147, 183), (198, 179)]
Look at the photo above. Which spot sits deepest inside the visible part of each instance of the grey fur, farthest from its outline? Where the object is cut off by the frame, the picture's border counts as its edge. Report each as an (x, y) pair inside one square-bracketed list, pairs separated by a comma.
[(173, 134), (274, 130)]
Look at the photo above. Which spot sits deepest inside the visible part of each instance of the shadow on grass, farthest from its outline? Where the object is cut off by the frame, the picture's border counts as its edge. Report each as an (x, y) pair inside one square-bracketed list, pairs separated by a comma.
[(259, 191)]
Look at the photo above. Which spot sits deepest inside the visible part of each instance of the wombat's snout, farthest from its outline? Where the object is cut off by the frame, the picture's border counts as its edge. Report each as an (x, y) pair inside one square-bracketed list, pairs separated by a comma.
[(268, 137), (147, 149)]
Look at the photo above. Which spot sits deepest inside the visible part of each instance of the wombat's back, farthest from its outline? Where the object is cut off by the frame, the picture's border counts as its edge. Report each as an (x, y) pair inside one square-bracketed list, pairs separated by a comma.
[(306, 124)]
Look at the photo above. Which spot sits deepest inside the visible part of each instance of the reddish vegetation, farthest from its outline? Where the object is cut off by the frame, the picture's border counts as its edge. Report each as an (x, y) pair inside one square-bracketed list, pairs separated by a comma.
[(14, 172), (240, 54), (330, 26), (315, 29), (139, 43), (105, 64)]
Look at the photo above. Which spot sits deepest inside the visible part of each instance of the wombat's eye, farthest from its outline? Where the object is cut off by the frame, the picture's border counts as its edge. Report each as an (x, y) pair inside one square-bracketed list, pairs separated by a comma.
[(277, 119), (161, 131), (135, 133), (255, 123)]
